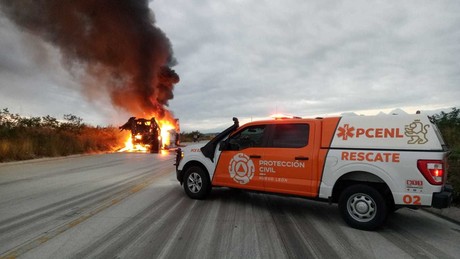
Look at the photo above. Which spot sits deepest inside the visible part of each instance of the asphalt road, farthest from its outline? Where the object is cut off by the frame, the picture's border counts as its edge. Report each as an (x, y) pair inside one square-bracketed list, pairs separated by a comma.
[(128, 205)]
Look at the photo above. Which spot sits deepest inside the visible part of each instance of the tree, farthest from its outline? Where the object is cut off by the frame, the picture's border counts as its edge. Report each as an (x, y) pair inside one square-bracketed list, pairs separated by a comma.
[(73, 123), (451, 119), (449, 125), (50, 122)]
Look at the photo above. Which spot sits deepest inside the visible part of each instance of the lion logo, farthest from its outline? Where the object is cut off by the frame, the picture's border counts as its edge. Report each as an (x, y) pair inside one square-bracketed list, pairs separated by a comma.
[(417, 132), (241, 168)]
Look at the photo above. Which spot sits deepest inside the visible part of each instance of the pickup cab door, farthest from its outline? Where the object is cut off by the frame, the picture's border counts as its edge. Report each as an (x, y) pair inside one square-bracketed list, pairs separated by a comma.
[(286, 165), (237, 165)]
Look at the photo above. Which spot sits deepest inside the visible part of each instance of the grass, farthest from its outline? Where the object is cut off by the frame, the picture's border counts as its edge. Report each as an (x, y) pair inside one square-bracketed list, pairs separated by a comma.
[(28, 138), (36, 143)]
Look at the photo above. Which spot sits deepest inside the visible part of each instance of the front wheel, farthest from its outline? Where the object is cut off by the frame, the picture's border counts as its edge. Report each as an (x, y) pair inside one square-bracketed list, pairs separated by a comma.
[(363, 207), (196, 183)]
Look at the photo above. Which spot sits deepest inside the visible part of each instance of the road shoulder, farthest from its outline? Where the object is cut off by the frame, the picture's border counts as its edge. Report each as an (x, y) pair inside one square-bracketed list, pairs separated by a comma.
[(452, 214)]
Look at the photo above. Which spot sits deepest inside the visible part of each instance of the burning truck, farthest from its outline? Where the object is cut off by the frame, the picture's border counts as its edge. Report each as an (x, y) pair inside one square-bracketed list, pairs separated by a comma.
[(147, 135)]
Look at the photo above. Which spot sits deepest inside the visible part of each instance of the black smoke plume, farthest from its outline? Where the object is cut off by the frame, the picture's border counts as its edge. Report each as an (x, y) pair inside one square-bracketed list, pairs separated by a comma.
[(116, 42)]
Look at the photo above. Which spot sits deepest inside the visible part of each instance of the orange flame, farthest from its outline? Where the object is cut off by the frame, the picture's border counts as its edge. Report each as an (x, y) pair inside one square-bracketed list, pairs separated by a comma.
[(166, 127), (129, 147)]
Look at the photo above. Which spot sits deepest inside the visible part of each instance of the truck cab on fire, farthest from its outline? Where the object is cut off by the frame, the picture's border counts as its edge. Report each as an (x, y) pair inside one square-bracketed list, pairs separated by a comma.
[(369, 165), (144, 132)]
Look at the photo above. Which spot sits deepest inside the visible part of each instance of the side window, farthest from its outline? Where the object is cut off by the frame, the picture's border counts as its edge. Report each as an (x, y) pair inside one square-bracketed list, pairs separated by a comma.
[(248, 137), (291, 135)]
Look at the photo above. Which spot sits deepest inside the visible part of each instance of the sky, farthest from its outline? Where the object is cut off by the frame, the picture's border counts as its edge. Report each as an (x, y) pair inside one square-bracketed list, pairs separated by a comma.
[(249, 59)]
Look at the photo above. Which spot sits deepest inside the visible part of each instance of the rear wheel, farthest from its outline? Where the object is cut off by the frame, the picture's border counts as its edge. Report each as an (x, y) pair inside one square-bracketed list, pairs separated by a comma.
[(363, 207), (196, 183)]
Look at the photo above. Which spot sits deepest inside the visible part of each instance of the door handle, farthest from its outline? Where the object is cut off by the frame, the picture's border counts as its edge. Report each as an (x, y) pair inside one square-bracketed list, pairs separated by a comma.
[(301, 158), (255, 156)]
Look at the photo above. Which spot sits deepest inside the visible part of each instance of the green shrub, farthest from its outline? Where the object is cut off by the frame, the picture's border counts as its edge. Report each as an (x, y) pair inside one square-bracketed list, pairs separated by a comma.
[(449, 125)]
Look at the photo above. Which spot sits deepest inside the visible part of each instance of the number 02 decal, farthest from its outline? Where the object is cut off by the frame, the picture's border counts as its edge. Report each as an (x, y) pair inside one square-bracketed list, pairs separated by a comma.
[(412, 199)]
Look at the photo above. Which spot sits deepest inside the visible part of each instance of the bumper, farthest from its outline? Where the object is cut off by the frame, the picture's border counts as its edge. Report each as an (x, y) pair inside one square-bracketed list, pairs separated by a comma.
[(179, 176), (442, 199), (179, 155)]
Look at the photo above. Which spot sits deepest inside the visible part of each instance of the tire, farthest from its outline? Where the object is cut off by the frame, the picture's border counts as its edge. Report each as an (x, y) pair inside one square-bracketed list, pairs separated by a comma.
[(155, 146), (363, 207), (196, 183), (392, 208)]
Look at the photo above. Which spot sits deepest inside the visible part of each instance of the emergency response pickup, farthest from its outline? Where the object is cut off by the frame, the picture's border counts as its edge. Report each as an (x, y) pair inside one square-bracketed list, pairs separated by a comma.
[(369, 165)]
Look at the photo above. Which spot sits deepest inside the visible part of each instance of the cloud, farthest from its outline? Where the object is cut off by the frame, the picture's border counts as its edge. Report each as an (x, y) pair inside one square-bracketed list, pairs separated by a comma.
[(252, 58), (33, 81)]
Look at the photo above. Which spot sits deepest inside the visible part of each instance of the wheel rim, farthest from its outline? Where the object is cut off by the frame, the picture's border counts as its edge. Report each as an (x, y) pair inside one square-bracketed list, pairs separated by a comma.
[(194, 182), (361, 207)]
